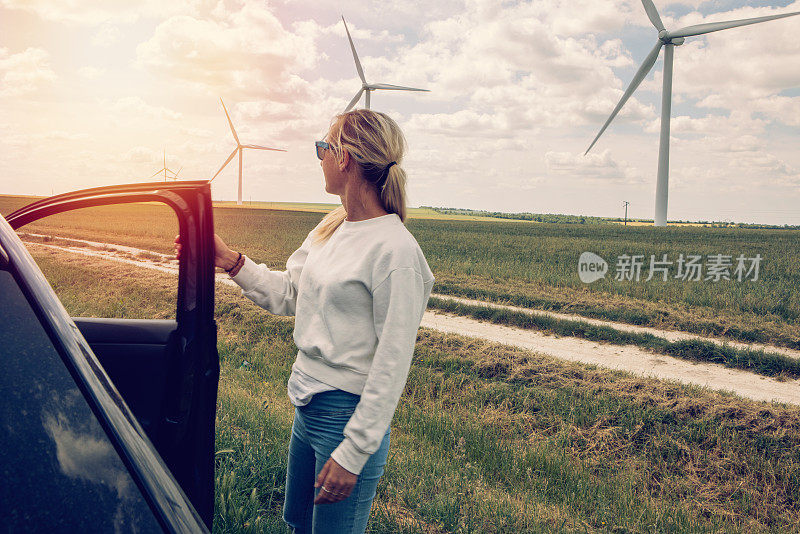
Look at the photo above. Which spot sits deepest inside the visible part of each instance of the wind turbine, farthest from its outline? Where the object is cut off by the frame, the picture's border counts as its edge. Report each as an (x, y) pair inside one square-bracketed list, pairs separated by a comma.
[(165, 170), (669, 40), (239, 148), (369, 86)]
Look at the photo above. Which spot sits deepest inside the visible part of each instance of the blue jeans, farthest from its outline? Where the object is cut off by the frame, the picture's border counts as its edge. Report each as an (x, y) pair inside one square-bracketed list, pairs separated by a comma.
[(316, 432)]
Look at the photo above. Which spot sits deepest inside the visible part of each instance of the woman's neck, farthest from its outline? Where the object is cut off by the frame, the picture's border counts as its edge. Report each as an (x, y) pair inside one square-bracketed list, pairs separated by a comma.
[(361, 204)]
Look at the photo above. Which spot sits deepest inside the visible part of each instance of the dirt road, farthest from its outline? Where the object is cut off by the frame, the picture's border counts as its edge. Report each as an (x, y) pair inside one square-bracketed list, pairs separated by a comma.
[(670, 335)]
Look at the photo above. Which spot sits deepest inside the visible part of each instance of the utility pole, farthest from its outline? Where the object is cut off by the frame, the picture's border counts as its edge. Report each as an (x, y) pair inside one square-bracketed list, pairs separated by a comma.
[(626, 211)]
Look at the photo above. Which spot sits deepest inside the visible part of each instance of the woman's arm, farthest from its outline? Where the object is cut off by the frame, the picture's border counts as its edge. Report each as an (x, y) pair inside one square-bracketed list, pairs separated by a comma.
[(398, 305), (275, 291)]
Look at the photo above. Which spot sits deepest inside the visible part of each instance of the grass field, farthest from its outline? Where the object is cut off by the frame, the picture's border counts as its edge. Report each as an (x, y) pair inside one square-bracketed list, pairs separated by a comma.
[(486, 438), (530, 265)]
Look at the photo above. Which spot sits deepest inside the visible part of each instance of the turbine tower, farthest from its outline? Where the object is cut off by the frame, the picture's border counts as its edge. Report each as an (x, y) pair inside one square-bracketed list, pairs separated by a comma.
[(669, 40), (239, 148), (367, 87)]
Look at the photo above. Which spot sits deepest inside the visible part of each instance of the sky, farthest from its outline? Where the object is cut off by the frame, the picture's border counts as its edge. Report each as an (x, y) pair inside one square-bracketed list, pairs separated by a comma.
[(95, 92)]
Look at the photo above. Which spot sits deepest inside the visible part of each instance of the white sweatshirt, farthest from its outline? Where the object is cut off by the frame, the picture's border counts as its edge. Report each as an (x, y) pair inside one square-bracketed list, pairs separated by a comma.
[(358, 299)]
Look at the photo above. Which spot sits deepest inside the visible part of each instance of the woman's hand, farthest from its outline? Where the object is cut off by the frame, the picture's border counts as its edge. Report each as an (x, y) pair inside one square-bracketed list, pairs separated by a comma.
[(336, 483), (224, 257)]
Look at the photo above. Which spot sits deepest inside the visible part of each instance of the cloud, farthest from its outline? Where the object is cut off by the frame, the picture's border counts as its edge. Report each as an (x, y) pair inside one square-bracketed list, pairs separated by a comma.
[(244, 53), (140, 154), (207, 147), (463, 123), (760, 57), (516, 67), (595, 17), (357, 33), (735, 125), (135, 107), (87, 454), (757, 160), (107, 35), (95, 12), (198, 132), (744, 143), (781, 109), (33, 139), (91, 73), (591, 168), (24, 73)]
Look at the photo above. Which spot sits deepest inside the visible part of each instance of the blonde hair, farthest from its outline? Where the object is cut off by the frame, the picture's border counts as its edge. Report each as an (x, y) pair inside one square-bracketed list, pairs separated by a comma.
[(375, 142)]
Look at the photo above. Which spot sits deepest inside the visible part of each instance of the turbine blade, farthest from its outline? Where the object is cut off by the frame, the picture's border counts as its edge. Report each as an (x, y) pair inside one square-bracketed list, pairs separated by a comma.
[(354, 101), (235, 150), (355, 56), (640, 75), (230, 123), (652, 14), (175, 177), (395, 87), (157, 172), (700, 29), (263, 148)]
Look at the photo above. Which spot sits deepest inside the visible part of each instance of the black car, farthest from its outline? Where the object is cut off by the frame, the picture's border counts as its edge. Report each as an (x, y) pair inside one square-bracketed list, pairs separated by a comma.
[(107, 425)]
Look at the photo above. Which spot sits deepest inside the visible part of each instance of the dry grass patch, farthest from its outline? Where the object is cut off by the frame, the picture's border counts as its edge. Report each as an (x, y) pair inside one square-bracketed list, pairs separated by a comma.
[(405, 519), (722, 456), (95, 287)]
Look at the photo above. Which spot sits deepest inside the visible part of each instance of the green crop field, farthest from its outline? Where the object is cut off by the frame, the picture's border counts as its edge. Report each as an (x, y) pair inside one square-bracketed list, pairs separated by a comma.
[(527, 264), (488, 438)]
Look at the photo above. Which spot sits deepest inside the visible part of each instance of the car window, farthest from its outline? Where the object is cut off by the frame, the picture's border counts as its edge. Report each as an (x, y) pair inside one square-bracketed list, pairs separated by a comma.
[(81, 250), (59, 470)]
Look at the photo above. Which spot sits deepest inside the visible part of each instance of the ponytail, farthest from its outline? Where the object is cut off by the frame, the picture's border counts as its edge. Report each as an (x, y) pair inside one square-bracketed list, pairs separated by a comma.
[(393, 193)]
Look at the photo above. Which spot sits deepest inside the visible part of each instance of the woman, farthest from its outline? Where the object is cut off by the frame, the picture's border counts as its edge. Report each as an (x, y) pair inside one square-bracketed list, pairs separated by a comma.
[(358, 286)]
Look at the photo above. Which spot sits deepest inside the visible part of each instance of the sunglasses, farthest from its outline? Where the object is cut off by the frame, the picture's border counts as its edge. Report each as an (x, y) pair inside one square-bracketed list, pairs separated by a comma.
[(321, 146)]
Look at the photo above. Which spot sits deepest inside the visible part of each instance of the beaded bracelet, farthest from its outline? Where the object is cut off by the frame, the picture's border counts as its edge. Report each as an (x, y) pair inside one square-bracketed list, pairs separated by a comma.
[(236, 268), (235, 264)]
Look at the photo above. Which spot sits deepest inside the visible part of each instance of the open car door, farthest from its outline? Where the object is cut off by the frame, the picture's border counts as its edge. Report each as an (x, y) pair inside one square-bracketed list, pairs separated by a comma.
[(166, 370)]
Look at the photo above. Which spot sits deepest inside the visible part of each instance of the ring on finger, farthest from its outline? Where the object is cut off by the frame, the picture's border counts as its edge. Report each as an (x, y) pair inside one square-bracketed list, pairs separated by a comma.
[(326, 490)]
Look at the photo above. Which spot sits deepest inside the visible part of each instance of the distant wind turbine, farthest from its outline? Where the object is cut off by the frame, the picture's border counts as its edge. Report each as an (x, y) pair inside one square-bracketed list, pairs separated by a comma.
[(239, 147), (669, 40), (369, 86), (165, 170)]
